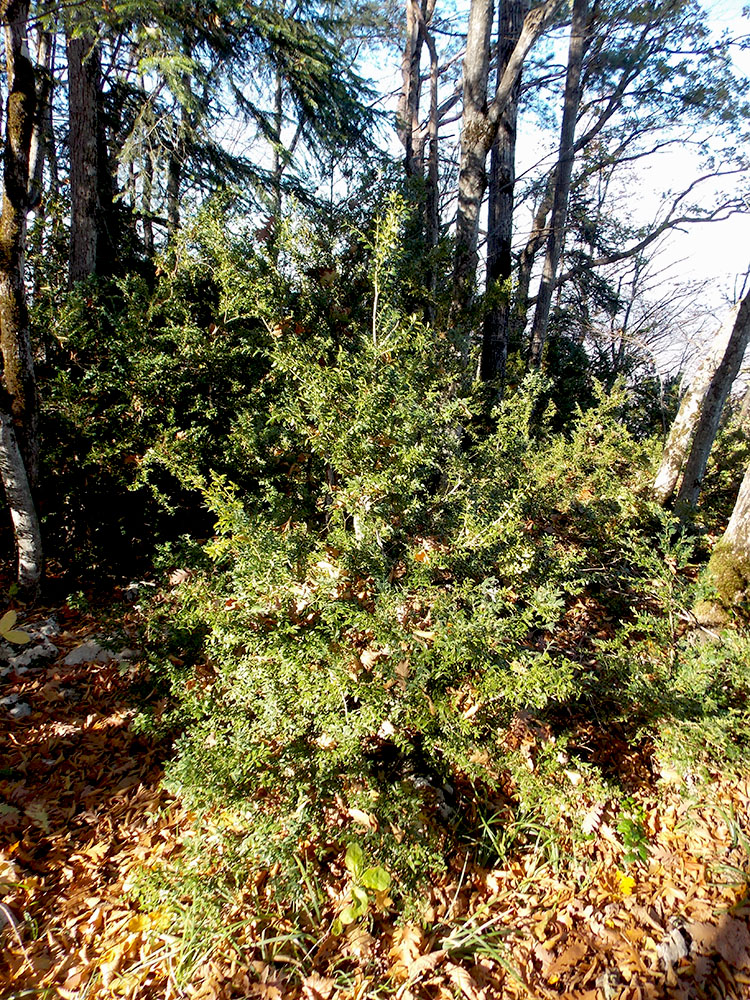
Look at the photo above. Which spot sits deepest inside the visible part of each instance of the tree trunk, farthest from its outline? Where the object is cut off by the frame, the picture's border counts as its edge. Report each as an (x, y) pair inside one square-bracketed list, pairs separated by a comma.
[(40, 140), (677, 448), (19, 452), (23, 513), (713, 405), (500, 213), (479, 129), (432, 194), (175, 163), (526, 261), (579, 39), (729, 566), (15, 341), (146, 195), (84, 80), (407, 114)]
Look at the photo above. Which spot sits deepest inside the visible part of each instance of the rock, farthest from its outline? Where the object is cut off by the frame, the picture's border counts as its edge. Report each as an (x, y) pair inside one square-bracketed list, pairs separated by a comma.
[(20, 710), (32, 656), (88, 652), (46, 630), (674, 946), (10, 699), (128, 654)]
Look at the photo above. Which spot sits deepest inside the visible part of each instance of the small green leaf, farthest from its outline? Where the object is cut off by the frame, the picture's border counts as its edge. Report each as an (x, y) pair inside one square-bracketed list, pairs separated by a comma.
[(355, 858), (8, 620), (17, 636), (337, 928), (360, 899), (376, 878), (348, 916)]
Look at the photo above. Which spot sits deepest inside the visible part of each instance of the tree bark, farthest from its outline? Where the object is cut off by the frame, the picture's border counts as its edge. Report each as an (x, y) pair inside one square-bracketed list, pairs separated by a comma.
[(19, 431), (729, 565), (40, 140), (713, 405), (15, 341), (500, 211), (480, 124), (175, 163), (677, 447), (147, 169), (23, 513), (407, 114), (432, 194), (84, 80), (579, 39)]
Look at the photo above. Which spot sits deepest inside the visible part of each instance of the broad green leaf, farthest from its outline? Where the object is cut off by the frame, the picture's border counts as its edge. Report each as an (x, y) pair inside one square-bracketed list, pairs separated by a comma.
[(348, 916), (376, 878), (355, 858), (8, 620)]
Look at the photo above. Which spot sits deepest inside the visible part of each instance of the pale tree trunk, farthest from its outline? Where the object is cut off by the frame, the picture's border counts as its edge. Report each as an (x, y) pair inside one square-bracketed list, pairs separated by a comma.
[(40, 140), (500, 210), (580, 36), (23, 513), (526, 260), (147, 169), (681, 433), (19, 452), (479, 128), (432, 194), (729, 566), (713, 405), (175, 163)]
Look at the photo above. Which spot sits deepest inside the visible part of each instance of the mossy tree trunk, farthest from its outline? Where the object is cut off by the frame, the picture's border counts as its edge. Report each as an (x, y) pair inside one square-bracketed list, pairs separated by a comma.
[(19, 420), (729, 566)]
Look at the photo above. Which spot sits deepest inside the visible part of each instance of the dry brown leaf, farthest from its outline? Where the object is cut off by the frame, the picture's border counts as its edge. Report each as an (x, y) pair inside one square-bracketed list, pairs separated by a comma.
[(363, 818), (317, 987), (570, 957), (463, 981), (593, 818), (360, 943), (425, 963), (406, 945), (730, 938)]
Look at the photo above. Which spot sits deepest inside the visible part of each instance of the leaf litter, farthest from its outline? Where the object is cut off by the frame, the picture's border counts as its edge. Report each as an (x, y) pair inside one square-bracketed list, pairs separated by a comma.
[(83, 811)]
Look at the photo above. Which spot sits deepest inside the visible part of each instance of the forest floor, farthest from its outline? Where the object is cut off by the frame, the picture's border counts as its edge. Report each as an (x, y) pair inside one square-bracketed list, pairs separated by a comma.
[(83, 812)]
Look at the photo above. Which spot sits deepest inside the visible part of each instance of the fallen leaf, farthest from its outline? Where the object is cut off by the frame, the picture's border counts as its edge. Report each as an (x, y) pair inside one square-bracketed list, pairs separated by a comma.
[(570, 957), (730, 938), (407, 944), (315, 987), (363, 818), (463, 981)]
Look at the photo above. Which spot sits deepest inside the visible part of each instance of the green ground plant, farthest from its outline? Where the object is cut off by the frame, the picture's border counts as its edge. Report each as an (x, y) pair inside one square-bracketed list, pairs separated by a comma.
[(391, 586)]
